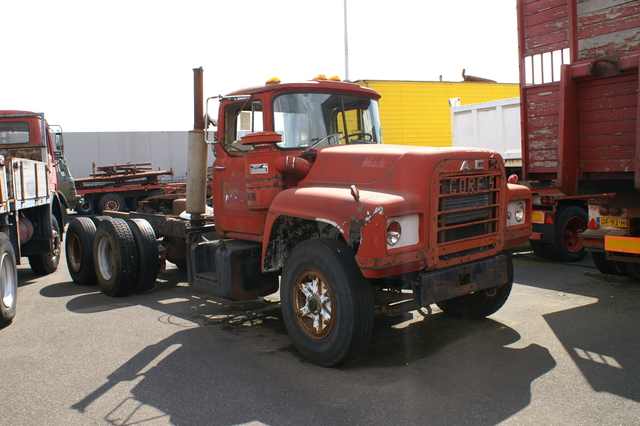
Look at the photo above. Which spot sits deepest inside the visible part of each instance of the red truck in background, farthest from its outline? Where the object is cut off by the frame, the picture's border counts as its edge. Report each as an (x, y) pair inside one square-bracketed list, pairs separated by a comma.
[(32, 212), (307, 199), (579, 92)]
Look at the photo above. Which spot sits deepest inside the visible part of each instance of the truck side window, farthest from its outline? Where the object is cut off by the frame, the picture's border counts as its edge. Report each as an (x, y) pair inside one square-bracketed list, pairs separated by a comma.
[(241, 119)]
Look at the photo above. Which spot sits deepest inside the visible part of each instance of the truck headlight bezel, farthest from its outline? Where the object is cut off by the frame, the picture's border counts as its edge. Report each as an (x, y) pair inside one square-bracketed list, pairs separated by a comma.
[(402, 231), (516, 213)]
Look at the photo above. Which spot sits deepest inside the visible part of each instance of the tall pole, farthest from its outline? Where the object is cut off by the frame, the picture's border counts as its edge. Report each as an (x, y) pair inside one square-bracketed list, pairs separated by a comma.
[(346, 44)]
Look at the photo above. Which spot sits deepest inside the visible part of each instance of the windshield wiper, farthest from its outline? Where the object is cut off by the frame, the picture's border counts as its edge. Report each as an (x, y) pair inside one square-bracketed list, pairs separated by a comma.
[(317, 141)]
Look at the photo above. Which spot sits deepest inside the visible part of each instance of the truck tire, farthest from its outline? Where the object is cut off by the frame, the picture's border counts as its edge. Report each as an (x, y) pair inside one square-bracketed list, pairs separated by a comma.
[(85, 208), (567, 245), (481, 303), (115, 257), (47, 263), (604, 266), (327, 304), (112, 202), (8, 281), (147, 247), (79, 250)]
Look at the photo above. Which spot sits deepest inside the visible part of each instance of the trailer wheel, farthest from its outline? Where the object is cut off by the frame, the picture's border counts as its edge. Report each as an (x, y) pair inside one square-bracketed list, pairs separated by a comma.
[(145, 239), (85, 208), (604, 266), (78, 247), (327, 304), (115, 257), (47, 263), (571, 221), (8, 281), (112, 201), (481, 303)]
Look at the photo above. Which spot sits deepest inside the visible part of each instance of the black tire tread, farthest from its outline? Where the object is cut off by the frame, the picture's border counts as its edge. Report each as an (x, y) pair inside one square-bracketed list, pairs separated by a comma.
[(145, 239), (122, 241)]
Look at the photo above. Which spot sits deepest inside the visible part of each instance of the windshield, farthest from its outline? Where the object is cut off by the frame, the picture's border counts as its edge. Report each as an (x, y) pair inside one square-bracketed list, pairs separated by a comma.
[(307, 119)]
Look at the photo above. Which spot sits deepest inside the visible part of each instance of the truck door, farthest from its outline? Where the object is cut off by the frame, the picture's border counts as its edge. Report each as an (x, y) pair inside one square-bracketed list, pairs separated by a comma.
[(230, 184)]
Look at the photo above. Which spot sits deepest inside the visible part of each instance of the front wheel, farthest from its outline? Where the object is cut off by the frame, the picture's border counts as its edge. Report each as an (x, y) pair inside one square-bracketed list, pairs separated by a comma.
[(327, 304), (8, 281), (481, 303)]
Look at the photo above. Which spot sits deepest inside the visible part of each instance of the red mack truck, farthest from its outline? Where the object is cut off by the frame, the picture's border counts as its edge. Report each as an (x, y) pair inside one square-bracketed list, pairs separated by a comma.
[(307, 200), (579, 94), (32, 211)]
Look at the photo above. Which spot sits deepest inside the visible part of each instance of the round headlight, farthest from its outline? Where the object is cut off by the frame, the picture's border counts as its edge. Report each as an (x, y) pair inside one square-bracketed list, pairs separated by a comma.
[(393, 232), (519, 213)]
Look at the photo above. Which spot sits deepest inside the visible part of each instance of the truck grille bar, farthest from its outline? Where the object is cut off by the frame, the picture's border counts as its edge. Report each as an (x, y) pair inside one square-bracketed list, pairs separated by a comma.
[(468, 210)]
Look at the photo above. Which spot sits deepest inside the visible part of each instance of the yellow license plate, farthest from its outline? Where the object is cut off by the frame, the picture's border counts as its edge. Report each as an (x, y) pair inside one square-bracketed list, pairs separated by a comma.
[(611, 221)]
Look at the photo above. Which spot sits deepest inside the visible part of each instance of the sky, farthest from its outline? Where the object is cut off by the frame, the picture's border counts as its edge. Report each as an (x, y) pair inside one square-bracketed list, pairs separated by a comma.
[(127, 65)]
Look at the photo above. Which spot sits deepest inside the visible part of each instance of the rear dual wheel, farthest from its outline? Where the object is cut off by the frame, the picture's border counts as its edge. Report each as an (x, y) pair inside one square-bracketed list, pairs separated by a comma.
[(47, 263), (122, 256), (611, 267)]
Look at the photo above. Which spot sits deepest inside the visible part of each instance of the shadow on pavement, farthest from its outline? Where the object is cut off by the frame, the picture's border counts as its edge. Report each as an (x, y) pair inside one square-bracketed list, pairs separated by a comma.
[(601, 337), (234, 363)]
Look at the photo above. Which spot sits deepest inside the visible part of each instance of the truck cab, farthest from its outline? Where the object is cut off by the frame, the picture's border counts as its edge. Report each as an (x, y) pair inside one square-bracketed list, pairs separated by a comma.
[(307, 200), (304, 185)]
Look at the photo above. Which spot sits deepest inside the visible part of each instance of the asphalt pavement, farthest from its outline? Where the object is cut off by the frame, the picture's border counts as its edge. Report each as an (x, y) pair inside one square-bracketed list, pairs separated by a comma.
[(563, 350)]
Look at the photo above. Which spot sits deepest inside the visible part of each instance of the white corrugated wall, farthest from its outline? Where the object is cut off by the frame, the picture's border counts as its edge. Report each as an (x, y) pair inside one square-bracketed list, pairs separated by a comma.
[(164, 150)]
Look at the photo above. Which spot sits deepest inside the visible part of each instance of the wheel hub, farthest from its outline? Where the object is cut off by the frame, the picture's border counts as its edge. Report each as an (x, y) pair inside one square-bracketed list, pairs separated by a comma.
[(316, 306)]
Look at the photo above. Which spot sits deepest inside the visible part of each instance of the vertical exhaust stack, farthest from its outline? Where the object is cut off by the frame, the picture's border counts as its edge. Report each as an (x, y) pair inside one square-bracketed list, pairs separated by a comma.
[(197, 155)]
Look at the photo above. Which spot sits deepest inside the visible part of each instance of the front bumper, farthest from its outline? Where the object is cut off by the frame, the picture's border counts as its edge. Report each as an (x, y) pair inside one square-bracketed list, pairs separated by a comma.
[(442, 284)]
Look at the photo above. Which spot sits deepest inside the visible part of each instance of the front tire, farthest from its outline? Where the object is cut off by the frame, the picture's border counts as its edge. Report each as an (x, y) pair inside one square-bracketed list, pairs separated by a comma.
[(482, 303), (8, 281), (327, 304)]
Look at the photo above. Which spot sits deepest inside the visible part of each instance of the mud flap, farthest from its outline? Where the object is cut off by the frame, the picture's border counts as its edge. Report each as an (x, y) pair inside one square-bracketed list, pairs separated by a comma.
[(229, 269), (443, 284)]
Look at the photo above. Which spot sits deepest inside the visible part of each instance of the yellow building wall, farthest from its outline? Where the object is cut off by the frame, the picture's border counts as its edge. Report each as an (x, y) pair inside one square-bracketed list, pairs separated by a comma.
[(418, 112)]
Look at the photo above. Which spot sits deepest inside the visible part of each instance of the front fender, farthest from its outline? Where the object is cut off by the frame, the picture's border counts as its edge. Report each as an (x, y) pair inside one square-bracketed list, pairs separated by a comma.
[(336, 207)]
